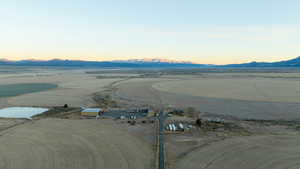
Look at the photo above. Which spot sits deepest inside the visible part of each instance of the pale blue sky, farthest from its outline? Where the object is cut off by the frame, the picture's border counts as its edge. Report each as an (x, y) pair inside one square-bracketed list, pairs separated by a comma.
[(211, 31)]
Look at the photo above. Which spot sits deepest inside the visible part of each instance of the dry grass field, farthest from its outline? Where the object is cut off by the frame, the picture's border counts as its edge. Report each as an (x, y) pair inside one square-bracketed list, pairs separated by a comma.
[(72, 144), (6, 123), (264, 152), (57, 143), (250, 96), (251, 89), (75, 87), (245, 95)]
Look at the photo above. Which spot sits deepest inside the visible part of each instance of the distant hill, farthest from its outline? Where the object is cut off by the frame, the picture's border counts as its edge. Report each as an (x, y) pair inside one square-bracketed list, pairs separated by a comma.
[(106, 64), (144, 63), (288, 63), (153, 60)]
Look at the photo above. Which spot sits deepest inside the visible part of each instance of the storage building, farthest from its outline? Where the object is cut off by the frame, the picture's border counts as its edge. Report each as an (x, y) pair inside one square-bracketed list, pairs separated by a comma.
[(92, 112)]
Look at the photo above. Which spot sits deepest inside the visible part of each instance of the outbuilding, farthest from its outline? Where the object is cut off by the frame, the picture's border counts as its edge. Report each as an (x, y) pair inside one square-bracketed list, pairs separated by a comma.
[(91, 112)]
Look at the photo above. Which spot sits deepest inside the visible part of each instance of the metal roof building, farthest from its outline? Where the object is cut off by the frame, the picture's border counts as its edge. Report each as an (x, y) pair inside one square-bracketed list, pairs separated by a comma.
[(91, 112)]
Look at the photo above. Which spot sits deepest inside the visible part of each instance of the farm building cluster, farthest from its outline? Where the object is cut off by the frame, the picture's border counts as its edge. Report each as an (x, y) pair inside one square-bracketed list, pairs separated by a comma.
[(92, 112), (177, 127), (116, 113)]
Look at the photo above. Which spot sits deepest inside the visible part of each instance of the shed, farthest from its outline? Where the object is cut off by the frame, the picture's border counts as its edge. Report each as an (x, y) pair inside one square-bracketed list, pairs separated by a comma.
[(93, 112)]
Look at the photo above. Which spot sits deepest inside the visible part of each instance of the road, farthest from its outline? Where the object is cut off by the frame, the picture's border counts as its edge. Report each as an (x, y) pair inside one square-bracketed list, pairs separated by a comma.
[(154, 99), (161, 119)]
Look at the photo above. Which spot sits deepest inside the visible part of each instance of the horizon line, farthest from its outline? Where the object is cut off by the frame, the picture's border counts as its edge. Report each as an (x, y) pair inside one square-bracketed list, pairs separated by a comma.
[(166, 60)]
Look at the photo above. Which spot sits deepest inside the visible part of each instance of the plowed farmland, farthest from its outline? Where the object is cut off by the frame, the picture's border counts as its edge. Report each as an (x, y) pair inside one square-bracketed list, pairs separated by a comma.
[(264, 152), (72, 144)]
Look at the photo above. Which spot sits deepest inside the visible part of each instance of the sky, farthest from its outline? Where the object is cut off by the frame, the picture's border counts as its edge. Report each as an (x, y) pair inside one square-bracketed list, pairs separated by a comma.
[(201, 31)]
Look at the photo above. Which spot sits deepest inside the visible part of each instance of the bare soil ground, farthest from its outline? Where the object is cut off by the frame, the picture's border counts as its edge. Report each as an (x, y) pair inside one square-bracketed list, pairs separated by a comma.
[(238, 144), (254, 89), (141, 91), (71, 144), (6, 123), (144, 128), (190, 149), (75, 87), (265, 152)]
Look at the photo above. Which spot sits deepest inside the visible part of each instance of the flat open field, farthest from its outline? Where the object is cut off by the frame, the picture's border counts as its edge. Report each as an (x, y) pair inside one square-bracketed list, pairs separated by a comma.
[(264, 152), (255, 89), (75, 87), (6, 123), (10, 90), (245, 95), (72, 144), (249, 96)]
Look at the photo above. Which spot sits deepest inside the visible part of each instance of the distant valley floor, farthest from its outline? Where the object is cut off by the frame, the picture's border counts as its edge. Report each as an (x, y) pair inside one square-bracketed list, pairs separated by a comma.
[(142, 91)]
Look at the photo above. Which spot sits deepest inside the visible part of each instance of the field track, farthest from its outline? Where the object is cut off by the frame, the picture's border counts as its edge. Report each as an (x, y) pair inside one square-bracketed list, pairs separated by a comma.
[(72, 144), (258, 152)]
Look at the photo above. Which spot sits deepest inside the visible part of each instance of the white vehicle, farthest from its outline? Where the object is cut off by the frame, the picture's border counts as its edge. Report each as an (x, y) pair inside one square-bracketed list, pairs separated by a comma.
[(181, 126), (167, 127), (171, 127), (174, 127)]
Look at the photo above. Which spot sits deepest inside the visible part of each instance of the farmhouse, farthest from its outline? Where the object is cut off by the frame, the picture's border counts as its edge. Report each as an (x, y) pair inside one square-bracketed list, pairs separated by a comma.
[(92, 112)]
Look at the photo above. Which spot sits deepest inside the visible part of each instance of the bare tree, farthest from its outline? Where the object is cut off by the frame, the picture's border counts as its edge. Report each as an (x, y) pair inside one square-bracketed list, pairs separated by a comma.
[(191, 112)]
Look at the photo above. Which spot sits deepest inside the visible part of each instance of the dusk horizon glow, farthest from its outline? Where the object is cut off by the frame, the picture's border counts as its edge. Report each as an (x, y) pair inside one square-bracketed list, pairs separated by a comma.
[(204, 32), (146, 59)]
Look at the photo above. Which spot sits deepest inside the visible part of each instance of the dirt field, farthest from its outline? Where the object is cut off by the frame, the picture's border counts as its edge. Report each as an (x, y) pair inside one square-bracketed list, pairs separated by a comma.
[(71, 144), (75, 87), (254, 95), (8, 123), (264, 152), (235, 144), (24, 88), (245, 144), (254, 89), (142, 90)]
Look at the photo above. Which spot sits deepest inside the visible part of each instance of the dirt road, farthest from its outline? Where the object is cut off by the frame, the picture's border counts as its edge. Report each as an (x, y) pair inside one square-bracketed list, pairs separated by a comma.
[(72, 144)]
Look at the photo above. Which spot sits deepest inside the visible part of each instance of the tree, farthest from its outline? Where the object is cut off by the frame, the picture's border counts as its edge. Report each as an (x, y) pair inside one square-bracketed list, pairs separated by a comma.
[(199, 122), (191, 109), (66, 106), (191, 112)]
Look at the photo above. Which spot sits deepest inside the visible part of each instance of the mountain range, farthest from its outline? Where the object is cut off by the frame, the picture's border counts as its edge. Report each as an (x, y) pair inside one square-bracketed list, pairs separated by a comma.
[(143, 63), (134, 63), (287, 63)]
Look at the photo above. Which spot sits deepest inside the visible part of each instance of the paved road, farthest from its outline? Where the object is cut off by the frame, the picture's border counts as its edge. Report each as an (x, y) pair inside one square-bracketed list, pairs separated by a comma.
[(161, 119)]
